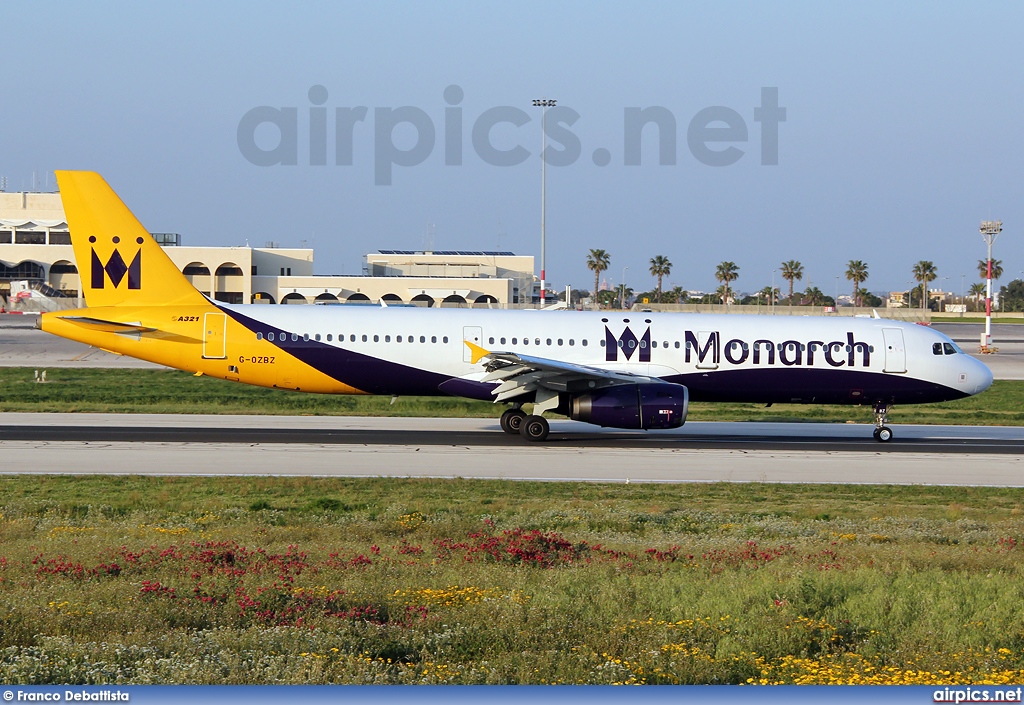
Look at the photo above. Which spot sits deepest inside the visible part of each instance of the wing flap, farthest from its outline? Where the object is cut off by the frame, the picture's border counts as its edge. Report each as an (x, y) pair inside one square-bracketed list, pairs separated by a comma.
[(519, 375)]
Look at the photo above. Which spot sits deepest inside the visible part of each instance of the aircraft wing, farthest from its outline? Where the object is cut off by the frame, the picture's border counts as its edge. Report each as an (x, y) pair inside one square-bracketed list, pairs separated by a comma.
[(522, 374)]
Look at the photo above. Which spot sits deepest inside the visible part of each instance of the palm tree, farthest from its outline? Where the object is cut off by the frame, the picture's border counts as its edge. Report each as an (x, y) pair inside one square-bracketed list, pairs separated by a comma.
[(857, 272), (924, 272), (997, 268), (725, 273), (792, 270), (660, 267), (814, 295), (677, 294), (598, 261), (977, 291), (770, 295)]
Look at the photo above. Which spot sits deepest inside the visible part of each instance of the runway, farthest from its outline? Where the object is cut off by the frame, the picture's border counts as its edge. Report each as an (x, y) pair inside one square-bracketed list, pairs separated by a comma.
[(476, 448)]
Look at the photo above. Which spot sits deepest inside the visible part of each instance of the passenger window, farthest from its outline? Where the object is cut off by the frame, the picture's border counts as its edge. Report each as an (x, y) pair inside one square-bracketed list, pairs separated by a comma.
[(376, 338), (515, 341), (549, 341), (602, 343), (295, 336), (259, 336), (317, 337), (950, 350), (423, 338), (559, 341), (502, 341), (571, 342), (364, 337), (433, 339), (352, 337), (584, 342), (936, 348), (387, 338), (536, 341), (412, 339), (444, 339), (490, 341), (270, 336), (526, 341), (677, 345), (329, 337), (398, 339)]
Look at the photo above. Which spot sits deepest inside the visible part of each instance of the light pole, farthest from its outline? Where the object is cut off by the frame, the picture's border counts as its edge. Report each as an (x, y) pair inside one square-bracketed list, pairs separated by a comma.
[(772, 292), (989, 230), (543, 104), (622, 295), (963, 306), (835, 301)]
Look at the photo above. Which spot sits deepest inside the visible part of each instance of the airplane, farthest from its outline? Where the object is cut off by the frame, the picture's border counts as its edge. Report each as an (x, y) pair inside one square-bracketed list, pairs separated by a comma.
[(621, 369)]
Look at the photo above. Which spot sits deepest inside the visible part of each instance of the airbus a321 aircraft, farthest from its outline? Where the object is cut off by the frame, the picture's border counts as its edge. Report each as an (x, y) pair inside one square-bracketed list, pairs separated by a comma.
[(616, 369)]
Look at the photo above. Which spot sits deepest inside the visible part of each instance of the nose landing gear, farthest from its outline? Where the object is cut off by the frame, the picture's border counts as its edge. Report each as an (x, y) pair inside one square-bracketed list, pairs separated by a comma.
[(882, 433)]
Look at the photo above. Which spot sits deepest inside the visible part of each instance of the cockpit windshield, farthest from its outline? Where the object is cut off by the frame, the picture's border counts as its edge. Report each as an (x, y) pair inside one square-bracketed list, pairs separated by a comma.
[(947, 348)]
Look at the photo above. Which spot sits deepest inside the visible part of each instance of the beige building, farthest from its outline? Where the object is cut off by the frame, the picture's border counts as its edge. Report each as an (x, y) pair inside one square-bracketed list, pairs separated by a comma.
[(35, 245)]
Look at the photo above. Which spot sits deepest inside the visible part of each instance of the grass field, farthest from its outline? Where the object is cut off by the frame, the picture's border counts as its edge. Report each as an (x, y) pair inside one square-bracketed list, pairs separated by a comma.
[(168, 391), (286, 580)]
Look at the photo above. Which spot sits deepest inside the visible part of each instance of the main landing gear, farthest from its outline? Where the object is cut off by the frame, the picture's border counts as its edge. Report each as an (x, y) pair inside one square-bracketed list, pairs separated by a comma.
[(512, 421), (882, 434), (533, 427)]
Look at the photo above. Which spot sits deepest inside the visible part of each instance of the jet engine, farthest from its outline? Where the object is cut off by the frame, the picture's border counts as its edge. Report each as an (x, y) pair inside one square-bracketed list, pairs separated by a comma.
[(646, 406)]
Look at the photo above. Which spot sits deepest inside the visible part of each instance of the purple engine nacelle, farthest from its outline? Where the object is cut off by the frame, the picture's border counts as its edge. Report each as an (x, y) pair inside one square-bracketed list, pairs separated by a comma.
[(646, 406)]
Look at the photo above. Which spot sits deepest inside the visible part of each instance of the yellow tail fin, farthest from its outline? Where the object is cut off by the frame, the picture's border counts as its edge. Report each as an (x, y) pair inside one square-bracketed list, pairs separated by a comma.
[(118, 261)]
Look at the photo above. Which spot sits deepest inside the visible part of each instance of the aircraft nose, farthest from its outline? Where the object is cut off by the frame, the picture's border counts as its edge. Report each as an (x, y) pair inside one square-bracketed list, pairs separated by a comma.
[(980, 372)]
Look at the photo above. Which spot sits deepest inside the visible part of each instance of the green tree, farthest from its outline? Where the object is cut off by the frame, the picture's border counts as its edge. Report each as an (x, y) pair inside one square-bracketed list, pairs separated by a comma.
[(608, 297), (660, 267), (598, 261), (726, 272), (814, 296), (924, 272), (977, 291), (1011, 297), (997, 268), (769, 295), (678, 295), (791, 271), (857, 272)]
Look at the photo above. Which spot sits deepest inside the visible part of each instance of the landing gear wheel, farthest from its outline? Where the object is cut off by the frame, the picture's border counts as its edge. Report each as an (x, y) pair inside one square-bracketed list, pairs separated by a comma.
[(512, 421), (535, 428), (882, 434)]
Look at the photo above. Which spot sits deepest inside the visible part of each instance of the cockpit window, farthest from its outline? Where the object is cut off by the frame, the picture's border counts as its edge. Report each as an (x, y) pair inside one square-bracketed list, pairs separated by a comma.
[(949, 349), (936, 348)]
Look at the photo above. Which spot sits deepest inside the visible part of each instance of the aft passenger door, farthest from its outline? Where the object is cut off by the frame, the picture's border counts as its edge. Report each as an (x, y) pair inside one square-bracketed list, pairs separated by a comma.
[(895, 352), (214, 334), (475, 335)]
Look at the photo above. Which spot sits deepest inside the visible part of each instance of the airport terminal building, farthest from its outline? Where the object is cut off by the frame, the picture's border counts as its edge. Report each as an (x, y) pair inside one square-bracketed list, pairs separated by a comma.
[(35, 246)]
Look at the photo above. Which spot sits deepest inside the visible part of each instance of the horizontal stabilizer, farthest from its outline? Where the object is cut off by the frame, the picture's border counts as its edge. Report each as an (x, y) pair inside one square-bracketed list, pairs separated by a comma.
[(107, 326)]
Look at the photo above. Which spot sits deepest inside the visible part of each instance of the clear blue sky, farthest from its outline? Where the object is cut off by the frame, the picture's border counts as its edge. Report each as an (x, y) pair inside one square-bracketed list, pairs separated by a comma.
[(903, 128)]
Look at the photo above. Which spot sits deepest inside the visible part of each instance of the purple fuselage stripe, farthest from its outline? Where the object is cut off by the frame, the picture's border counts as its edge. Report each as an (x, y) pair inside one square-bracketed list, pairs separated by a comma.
[(770, 385)]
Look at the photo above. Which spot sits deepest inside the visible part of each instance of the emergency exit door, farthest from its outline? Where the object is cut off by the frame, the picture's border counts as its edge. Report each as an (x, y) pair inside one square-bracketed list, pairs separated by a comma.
[(215, 326), (475, 335)]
